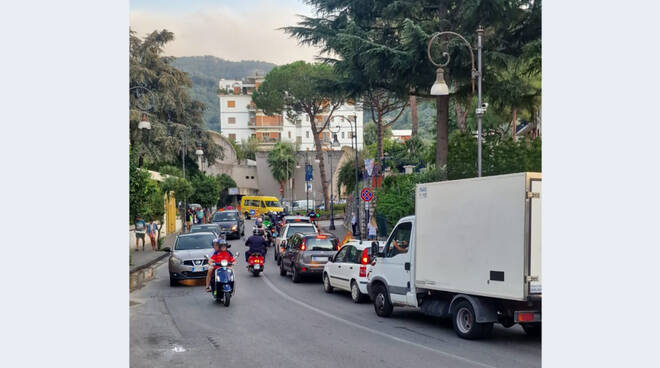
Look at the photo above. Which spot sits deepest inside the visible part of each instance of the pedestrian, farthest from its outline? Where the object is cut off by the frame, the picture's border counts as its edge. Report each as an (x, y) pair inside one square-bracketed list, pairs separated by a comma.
[(200, 215), (188, 220), (353, 222), (140, 229), (372, 229), (151, 231)]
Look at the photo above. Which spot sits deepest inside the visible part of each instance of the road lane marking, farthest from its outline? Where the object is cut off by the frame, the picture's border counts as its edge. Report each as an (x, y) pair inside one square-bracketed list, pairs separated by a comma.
[(364, 328)]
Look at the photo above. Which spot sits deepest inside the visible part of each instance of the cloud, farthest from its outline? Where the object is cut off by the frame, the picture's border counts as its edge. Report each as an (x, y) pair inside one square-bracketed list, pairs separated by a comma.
[(227, 33)]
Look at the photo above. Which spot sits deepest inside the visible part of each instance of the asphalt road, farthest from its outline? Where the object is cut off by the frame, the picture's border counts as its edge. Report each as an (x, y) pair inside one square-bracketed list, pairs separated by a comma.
[(273, 322)]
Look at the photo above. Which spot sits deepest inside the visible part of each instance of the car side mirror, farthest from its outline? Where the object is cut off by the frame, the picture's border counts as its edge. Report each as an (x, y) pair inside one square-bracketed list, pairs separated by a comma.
[(167, 249), (374, 249)]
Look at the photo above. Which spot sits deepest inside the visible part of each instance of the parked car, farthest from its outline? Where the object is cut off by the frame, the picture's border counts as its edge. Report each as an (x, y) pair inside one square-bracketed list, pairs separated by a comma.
[(231, 222), (287, 231), (187, 258), (348, 270), (203, 228), (307, 254)]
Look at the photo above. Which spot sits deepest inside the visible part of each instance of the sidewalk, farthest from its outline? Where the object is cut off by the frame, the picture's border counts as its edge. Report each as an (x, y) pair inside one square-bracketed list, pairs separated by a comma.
[(146, 258)]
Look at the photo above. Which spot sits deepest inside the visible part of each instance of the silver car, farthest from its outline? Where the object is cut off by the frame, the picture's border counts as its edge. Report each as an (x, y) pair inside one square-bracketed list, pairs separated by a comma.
[(187, 258)]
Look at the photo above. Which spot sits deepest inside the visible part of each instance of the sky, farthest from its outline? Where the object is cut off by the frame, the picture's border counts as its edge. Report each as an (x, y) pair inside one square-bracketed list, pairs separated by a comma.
[(230, 29)]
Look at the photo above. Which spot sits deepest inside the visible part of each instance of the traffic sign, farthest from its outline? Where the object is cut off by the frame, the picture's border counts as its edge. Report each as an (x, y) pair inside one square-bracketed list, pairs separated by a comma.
[(366, 194)]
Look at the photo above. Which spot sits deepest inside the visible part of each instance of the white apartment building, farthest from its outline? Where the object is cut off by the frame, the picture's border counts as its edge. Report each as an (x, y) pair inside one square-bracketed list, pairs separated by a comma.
[(240, 120)]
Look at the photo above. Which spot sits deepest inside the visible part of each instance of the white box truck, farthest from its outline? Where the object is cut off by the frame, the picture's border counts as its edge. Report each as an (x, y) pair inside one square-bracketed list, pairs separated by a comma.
[(471, 252)]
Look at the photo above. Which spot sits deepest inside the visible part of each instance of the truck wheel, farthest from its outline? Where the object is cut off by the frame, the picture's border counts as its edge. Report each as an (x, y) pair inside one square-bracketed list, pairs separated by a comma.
[(532, 329), (295, 276), (465, 322), (326, 283), (356, 295), (282, 270), (382, 303)]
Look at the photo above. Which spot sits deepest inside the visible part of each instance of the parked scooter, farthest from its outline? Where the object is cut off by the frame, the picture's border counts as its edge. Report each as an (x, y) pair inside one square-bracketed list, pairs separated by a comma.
[(256, 263), (222, 285)]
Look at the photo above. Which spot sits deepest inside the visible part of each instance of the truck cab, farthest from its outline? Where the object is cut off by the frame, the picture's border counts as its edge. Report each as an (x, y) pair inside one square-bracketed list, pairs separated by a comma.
[(393, 269)]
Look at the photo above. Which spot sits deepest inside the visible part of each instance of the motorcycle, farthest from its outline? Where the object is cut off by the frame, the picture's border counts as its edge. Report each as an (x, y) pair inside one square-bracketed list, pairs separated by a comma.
[(256, 263), (222, 285)]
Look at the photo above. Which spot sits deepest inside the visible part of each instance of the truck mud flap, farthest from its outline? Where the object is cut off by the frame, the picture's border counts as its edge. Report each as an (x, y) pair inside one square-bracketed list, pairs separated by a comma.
[(435, 308)]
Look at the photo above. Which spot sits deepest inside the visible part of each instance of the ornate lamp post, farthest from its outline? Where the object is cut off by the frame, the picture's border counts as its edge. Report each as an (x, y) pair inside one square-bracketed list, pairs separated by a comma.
[(440, 88), (335, 143), (357, 191)]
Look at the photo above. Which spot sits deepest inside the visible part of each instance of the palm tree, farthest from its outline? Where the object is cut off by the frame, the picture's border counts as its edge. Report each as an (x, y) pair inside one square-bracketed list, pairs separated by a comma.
[(282, 162)]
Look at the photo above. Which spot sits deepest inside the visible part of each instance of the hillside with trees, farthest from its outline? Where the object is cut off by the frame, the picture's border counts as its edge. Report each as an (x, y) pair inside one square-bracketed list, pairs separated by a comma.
[(206, 71)]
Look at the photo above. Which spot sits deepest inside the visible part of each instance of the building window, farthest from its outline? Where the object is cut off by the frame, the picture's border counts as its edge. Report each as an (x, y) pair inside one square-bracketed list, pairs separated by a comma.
[(231, 120), (231, 103), (342, 135), (289, 134), (299, 139), (307, 134), (232, 137), (350, 135)]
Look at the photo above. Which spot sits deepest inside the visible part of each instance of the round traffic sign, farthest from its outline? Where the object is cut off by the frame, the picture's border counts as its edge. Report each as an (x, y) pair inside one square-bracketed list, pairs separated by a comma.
[(366, 194)]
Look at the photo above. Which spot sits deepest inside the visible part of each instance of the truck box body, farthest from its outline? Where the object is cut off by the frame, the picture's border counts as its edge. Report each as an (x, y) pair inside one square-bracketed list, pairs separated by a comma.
[(480, 236)]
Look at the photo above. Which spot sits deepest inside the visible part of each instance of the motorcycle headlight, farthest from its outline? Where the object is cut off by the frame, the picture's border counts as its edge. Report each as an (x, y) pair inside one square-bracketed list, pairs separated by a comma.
[(224, 263), (176, 260), (234, 228)]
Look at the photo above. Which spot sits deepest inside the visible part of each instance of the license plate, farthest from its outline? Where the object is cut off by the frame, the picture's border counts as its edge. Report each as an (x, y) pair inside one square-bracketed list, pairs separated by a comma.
[(320, 259), (199, 269), (257, 267)]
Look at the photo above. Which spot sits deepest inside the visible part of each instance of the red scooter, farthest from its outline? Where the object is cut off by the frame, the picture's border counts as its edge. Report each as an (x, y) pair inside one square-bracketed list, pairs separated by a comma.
[(256, 263)]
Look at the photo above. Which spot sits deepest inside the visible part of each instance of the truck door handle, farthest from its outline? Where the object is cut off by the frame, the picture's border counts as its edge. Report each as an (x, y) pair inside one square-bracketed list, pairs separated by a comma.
[(407, 266), (351, 267), (339, 266)]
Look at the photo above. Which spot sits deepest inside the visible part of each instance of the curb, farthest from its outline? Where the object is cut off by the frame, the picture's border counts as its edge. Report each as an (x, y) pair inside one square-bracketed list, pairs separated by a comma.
[(149, 264)]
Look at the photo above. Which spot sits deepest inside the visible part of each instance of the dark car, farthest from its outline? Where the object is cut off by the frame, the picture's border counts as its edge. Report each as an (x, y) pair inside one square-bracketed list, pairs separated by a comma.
[(307, 254), (230, 222), (203, 228)]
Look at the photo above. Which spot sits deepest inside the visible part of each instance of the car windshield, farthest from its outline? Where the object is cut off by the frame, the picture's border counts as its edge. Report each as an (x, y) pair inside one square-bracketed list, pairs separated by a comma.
[(224, 216), (300, 229), (272, 203), (201, 241), (316, 243)]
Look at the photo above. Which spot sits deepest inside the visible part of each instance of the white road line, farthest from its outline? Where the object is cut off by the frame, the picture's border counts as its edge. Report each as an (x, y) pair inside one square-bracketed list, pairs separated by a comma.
[(353, 324)]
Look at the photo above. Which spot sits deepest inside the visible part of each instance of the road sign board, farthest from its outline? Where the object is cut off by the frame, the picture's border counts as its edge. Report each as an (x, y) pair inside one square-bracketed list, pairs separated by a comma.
[(366, 195), (308, 186), (309, 172)]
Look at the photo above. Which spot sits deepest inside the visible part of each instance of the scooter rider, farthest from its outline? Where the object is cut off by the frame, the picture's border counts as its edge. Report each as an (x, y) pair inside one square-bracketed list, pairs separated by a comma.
[(220, 252), (256, 244)]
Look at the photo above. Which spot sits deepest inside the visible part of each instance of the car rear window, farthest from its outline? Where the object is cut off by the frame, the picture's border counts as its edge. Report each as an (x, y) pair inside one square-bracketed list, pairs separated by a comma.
[(315, 243), (201, 241), (300, 229), (224, 216), (302, 220), (203, 230)]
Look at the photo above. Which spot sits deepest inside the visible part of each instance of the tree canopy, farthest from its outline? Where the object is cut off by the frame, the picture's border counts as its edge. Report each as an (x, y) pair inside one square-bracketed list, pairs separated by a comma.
[(161, 93), (282, 161)]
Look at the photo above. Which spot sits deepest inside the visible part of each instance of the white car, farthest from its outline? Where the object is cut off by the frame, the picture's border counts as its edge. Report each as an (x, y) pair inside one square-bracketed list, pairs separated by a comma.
[(348, 270), (287, 231)]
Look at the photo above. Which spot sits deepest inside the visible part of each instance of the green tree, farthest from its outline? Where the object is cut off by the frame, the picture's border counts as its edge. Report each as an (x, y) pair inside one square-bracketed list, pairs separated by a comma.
[(282, 162), (384, 45), (371, 134), (171, 170), (225, 181), (175, 117), (206, 190), (303, 88), (180, 187), (246, 149), (139, 189)]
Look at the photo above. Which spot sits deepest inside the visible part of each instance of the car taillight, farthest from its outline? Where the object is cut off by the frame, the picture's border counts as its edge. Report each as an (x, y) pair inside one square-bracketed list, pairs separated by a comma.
[(363, 271), (365, 256), (525, 316), (303, 247)]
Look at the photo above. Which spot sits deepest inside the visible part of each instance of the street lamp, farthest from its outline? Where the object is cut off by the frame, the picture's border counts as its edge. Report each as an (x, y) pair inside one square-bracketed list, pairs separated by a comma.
[(335, 143), (199, 153), (357, 193), (144, 124), (440, 87)]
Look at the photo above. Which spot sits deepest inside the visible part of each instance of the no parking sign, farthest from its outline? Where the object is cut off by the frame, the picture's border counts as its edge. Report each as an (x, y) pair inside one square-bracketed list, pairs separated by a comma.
[(366, 194)]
